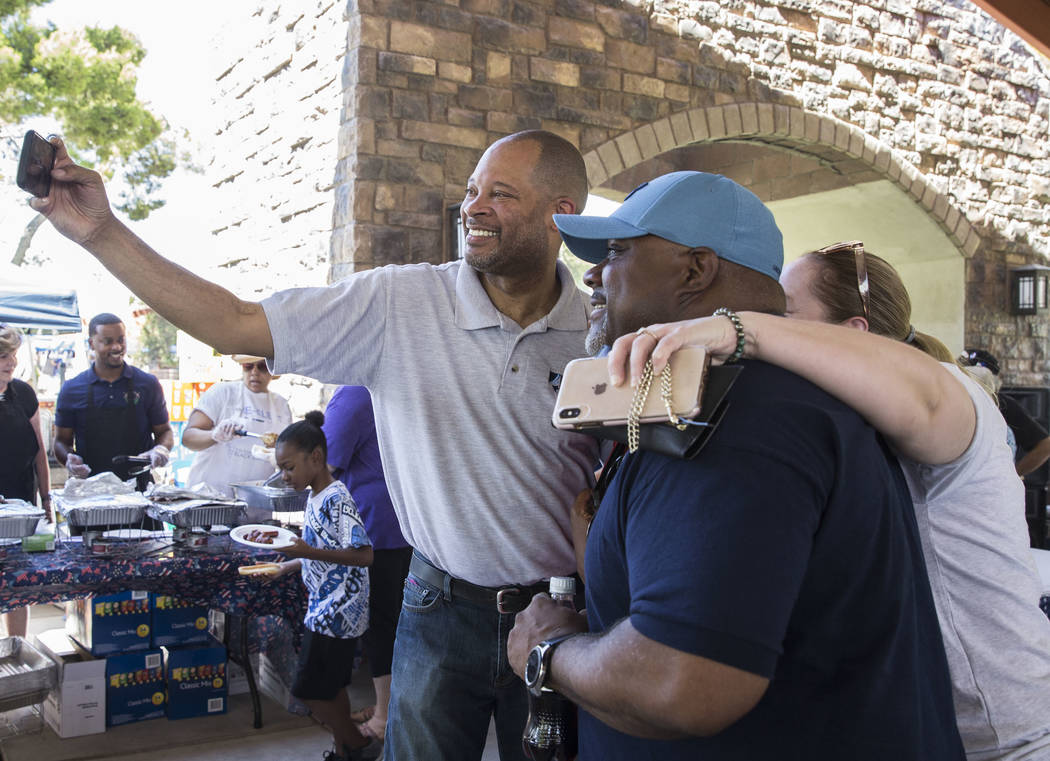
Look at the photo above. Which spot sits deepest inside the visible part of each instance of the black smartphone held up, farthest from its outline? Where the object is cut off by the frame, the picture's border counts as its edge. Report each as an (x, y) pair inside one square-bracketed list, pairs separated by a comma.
[(34, 165)]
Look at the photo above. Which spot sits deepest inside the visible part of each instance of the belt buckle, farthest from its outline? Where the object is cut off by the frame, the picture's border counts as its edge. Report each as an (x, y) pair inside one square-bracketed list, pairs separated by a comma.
[(499, 598)]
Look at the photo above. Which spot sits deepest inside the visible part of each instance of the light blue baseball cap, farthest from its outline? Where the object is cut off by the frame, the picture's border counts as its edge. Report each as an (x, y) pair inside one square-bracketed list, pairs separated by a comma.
[(690, 208)]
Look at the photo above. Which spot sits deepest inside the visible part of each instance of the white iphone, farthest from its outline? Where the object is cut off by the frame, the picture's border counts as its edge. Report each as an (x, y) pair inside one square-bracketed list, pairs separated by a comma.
[(587, 398)]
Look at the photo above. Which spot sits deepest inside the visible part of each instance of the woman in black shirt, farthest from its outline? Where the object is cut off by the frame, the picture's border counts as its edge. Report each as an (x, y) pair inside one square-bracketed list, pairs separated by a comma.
[(23, 459)]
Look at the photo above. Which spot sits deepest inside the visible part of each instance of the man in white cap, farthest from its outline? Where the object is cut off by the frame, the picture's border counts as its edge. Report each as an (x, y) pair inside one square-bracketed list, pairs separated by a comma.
[(215, 429), (766, 599)]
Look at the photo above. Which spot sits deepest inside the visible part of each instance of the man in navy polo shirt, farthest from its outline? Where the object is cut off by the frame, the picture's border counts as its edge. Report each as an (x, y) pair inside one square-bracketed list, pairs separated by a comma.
[(111, 409), (768, 598)]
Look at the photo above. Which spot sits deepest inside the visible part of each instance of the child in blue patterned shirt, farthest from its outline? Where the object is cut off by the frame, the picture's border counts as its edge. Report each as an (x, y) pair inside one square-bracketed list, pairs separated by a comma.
[(332, 555)]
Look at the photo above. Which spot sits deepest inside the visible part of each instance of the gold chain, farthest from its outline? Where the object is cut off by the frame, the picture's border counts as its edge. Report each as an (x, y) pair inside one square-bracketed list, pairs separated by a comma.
[(641, 393)]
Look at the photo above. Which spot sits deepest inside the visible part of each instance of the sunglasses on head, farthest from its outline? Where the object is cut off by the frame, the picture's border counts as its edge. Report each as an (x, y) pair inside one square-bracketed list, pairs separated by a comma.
[(249, 366), (860, 262)]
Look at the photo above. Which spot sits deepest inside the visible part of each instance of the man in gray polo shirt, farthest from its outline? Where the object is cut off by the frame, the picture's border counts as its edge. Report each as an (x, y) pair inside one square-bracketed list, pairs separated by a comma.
[(459, 359)]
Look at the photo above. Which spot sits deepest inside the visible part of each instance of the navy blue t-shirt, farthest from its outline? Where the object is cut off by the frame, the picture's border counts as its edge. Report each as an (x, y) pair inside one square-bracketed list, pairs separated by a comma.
[(148, 401), (788, 548)]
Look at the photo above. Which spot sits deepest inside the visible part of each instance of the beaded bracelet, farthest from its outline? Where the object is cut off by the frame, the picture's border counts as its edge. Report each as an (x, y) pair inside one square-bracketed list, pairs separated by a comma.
[(739, 327)]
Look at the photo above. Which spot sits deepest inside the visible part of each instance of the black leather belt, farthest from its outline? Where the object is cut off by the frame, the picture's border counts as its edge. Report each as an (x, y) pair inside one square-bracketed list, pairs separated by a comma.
[(509, 599)]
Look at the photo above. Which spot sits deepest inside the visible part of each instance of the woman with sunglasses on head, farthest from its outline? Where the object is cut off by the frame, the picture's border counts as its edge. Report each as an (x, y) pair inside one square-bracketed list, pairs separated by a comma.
[(852, 336), (224, 411)]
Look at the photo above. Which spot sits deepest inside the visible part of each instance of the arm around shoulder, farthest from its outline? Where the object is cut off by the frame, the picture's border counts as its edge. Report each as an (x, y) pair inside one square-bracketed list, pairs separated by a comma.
[(925, 413), (908, 396)]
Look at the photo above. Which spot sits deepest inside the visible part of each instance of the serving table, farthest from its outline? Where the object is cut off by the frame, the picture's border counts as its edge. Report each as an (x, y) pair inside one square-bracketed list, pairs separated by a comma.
[(203, 575)]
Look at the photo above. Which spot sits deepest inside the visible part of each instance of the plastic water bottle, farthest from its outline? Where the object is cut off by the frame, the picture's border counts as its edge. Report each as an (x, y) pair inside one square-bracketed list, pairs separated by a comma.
[(550, 732)]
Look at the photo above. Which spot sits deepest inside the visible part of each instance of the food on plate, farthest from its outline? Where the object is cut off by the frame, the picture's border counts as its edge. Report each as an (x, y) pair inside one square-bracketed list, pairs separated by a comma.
[(269, 439), (265, 535), (264, 453), (260, 536)]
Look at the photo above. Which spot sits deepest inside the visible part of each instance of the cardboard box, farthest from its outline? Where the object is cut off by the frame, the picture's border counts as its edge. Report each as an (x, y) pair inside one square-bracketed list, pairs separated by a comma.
[(217, 624), (110, 624), (77, 705), (237, 677), (196, 678), (175, 622), (271, 683), (134, 687)]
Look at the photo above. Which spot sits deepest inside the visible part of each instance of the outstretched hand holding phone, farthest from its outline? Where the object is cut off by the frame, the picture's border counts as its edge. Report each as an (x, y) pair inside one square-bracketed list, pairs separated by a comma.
[(76, 204), (34, 165), (78, 208)]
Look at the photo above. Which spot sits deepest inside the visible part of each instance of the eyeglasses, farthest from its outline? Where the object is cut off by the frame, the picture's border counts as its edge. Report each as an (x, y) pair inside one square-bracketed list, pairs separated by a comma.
[(860, 262), (249, 366)]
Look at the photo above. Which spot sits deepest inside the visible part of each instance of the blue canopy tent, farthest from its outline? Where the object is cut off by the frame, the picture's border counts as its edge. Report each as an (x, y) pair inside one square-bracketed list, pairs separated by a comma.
[(27, 307), (40, 313)]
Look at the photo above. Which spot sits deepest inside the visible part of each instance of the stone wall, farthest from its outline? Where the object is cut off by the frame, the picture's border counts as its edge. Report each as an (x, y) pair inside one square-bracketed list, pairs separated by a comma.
[(954, 94), (278, 106), (1020, 342), (935, 96)]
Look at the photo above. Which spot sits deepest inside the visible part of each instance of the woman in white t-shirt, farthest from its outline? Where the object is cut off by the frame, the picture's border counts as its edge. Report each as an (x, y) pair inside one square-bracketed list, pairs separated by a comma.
[(223, 457)]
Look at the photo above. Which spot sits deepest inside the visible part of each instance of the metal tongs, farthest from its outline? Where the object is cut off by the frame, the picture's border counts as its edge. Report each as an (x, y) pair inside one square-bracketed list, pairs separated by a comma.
[(130, 460)]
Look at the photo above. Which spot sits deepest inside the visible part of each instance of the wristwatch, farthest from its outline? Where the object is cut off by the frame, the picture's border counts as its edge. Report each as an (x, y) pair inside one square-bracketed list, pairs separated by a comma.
[(538, 665)]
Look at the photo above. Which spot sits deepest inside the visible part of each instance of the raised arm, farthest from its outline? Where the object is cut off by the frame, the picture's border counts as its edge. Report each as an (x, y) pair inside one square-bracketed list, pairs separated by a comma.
[(79, 209), (924, 412)]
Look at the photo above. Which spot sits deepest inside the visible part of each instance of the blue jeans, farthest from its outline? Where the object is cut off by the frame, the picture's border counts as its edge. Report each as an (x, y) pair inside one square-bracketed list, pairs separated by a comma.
[(450, 676)]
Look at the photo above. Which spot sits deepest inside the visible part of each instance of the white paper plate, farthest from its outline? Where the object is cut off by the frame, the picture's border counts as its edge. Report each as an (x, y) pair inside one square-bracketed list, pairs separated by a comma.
[(284, 538)]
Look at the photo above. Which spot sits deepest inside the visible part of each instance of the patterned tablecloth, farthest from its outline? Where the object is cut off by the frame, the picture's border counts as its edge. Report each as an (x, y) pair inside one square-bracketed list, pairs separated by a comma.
[(202, 575), (270, 613)]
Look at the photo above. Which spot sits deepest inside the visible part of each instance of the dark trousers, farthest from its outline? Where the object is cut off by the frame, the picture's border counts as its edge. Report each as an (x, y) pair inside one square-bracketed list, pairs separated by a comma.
[(386, 580)]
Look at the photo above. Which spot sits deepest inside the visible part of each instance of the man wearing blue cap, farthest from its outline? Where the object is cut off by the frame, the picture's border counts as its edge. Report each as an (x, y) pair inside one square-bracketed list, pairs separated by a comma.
[(768, 598)]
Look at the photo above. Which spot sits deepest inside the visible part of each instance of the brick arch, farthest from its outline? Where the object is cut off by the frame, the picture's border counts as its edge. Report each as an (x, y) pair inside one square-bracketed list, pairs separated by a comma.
[(787, 127)]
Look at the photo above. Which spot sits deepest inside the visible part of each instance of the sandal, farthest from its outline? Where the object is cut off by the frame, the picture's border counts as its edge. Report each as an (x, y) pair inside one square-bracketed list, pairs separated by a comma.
[(366, 713)]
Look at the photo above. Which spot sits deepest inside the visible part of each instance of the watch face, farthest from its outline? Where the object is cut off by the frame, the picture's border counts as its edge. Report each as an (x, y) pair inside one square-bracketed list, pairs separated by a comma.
[(532, 667)]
